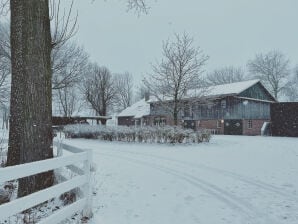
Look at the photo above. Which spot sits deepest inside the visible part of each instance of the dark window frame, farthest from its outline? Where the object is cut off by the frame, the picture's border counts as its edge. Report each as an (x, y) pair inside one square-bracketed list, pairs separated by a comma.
[(218, 124)]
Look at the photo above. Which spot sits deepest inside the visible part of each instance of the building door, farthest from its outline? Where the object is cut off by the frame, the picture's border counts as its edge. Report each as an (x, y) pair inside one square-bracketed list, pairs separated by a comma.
[(233, 127)]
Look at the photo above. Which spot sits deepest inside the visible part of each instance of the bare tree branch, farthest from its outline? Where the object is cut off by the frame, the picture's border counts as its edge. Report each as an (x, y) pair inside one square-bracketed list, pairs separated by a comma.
[(68, 60), (68, 64), (142, 92), (5, 41), (4, 7), (5, 68), (99, 89), (225, 75), (272, 68), (139, 6), (291, 90), (179, 71), (5, 73), (68, 101), (124, 86), (64, 23)]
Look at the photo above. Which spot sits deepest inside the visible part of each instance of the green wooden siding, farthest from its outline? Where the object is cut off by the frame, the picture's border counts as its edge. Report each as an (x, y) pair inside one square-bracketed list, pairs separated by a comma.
[(228, 107), (235, 109), (256, 92)]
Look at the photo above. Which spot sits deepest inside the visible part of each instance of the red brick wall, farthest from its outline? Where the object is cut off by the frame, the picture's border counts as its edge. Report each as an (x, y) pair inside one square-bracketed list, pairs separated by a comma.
[(207, 124), (256, 127), (211, 124), (255, 130)]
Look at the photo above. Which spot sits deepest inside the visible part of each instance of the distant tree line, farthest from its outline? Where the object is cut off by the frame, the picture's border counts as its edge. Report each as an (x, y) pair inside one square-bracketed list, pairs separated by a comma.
[(272, 68)]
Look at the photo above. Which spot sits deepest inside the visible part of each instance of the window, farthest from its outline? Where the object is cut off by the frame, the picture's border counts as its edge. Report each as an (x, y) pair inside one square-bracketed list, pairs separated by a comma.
[(250, 124), (219, 122), (209, 105), (223, 104), (186, 110), (159, 121)]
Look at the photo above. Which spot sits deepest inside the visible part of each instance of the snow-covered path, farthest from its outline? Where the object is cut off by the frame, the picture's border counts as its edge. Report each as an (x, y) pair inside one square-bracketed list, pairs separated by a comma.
[(231, 180)]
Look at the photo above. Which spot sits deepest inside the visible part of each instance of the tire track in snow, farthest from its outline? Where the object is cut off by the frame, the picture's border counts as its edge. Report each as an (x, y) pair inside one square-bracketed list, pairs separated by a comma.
[(234, 202), (247, 180)]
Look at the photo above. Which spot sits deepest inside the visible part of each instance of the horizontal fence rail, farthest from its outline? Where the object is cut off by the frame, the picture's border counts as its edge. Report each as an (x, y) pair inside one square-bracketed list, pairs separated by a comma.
[(82, 181)]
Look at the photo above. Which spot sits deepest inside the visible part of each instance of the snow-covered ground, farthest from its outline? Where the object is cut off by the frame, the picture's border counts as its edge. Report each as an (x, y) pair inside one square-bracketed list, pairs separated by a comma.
[(232, 179)]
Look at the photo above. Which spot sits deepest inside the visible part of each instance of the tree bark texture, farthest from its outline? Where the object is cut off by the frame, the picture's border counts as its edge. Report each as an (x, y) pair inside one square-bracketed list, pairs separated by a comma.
[(30, 134)]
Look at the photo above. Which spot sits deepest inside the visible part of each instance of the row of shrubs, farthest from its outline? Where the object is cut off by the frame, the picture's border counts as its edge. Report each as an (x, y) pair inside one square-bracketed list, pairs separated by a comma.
[(166, 134)]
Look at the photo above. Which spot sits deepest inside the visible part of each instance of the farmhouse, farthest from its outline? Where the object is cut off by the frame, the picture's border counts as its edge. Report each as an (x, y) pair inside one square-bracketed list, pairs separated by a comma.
[(240, 108)]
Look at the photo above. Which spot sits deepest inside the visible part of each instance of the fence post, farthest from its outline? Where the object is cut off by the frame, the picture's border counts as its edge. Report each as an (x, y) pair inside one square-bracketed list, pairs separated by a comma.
[(59, 145), (59, 148), (87, 211)]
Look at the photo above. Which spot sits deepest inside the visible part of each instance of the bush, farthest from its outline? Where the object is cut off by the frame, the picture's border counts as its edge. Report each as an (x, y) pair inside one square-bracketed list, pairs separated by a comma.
[(166, 134)]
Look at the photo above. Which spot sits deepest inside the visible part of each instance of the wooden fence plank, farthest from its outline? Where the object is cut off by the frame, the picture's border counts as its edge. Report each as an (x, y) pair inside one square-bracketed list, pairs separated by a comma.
[(28, 169), (36, 198)]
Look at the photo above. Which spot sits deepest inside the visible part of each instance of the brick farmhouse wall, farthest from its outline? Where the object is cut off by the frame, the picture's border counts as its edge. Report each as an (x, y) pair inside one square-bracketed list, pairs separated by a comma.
[(211, 124), (255, 130), (256, 127), (202, 124)]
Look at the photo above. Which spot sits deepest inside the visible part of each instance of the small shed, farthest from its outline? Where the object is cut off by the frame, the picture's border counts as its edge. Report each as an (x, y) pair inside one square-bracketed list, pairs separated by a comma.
[(135, 114)]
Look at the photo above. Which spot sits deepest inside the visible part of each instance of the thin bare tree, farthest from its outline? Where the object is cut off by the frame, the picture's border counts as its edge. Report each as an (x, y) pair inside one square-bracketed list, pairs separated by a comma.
[(68, 64), (4, 41), (68, 100), (5, 72), (140, 6), (291, 90), (142, 92), (5, 67), (272, 69), (99, 90), (67, 61), (63, 23), (4, 7), (179, 71), (225, 75), (124, 87)]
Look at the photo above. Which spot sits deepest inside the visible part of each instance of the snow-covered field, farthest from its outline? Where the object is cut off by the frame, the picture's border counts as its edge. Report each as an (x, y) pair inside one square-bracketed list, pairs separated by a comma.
[(232, 179)]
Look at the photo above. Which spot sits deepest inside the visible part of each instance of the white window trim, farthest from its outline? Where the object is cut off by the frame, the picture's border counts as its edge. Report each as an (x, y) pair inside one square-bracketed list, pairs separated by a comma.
[(249, 122)]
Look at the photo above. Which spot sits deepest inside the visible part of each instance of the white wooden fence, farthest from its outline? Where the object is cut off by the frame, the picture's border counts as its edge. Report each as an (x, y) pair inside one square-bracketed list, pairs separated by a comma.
[(81, 180)]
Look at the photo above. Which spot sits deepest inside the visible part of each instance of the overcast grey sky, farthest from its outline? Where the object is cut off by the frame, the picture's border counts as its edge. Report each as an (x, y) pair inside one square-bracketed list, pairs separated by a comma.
[(229, 31)]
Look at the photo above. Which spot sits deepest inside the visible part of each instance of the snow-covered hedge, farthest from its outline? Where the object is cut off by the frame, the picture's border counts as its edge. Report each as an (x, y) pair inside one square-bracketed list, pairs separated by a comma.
[(166, 134)]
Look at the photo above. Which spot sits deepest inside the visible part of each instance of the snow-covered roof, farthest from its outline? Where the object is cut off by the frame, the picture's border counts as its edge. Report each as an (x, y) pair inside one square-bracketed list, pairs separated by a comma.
[(137, 110), (231, 88), (218, 90), (142, 107)]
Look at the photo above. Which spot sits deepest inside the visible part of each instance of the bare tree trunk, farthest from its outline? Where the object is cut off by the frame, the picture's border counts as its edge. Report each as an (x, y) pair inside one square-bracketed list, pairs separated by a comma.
[(175, 117), (30, 134)]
